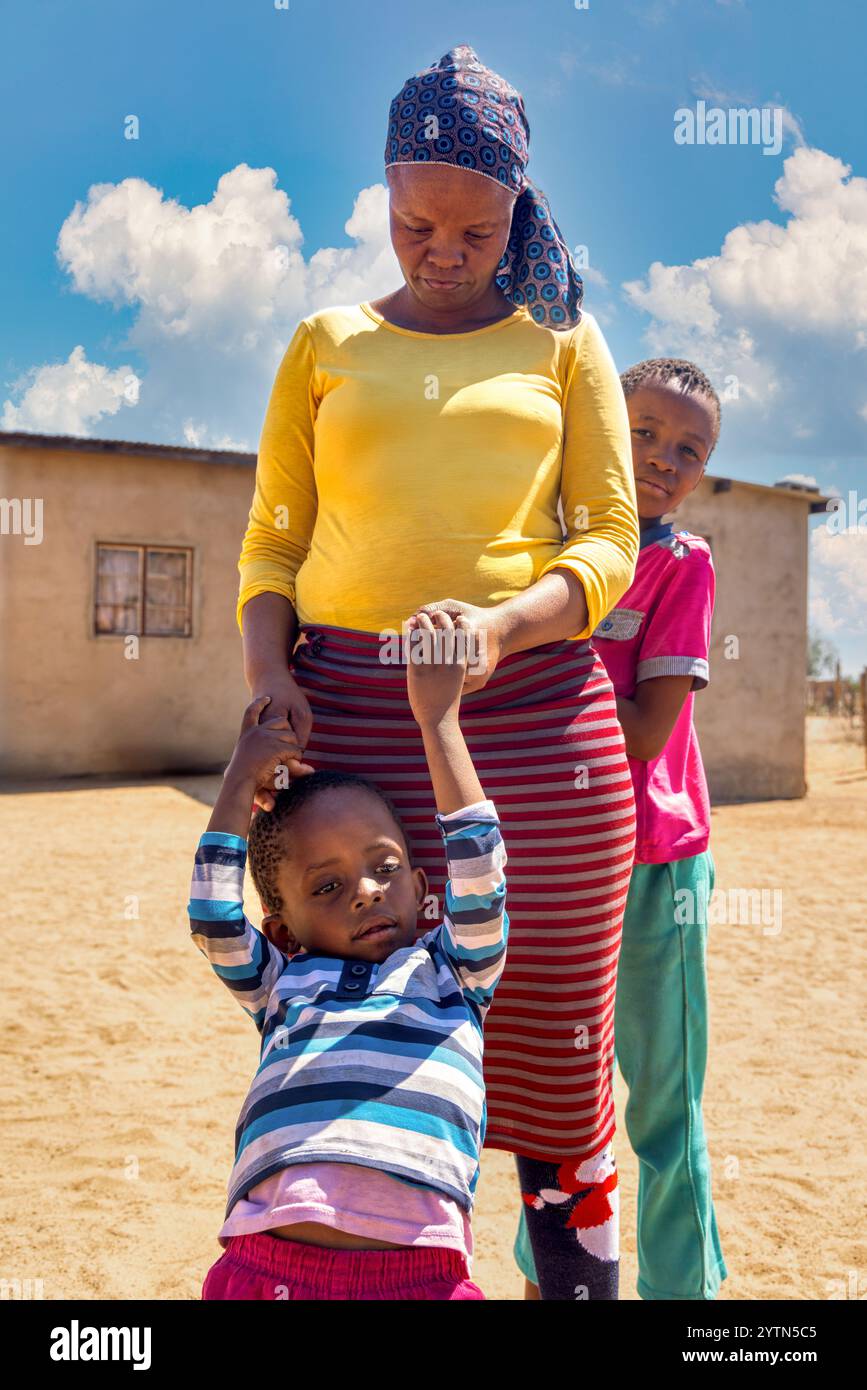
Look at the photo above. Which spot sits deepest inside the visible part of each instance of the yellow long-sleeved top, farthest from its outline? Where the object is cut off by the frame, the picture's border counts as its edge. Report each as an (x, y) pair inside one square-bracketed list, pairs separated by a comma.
[(396, 468)]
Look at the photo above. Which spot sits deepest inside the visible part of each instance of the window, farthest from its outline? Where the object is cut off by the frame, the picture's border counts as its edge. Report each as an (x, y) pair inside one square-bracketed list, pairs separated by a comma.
[(143, 589)]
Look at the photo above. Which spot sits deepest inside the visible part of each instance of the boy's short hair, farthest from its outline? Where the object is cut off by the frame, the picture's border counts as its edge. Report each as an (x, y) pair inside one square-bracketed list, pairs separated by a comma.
[(690, 379), (266, 839)]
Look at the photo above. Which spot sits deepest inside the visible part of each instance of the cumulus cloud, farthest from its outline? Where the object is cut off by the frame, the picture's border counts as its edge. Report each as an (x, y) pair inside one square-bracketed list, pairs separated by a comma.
[(198, 435), (799, 480), (612, 66), (234, 263), (70, 397), (217, 291), (780, 312), (591, 276), (838, 561)]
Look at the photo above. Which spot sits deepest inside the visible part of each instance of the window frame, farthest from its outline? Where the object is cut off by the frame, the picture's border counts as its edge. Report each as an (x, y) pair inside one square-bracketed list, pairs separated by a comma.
[(141, 548)]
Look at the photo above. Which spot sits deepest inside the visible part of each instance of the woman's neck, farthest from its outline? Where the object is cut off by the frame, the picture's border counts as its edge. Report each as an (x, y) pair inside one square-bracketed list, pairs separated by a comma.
[(404, 311)]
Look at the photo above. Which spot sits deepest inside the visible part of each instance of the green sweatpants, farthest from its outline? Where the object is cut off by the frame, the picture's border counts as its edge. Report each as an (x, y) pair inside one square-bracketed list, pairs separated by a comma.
[(660, 1028)]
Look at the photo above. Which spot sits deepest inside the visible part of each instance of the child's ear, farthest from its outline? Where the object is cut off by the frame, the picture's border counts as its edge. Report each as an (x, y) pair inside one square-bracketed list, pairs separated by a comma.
[(279, 934), (422, 887)]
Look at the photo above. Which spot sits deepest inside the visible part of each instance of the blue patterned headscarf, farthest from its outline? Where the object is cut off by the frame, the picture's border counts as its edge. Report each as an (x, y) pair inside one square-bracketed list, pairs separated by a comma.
[(459, 112)]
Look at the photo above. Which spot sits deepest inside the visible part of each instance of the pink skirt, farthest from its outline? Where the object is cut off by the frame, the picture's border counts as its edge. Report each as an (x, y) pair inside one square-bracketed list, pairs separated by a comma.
[(549, 751), (263, 1266)]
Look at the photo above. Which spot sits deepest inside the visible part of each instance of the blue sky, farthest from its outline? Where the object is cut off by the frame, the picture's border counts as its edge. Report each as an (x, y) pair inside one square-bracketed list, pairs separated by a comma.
[(128, 315)]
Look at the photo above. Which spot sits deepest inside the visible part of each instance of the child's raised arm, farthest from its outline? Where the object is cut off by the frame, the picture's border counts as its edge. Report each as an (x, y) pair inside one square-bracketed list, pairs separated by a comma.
[(436, 665), (475, 924), (244, 959)]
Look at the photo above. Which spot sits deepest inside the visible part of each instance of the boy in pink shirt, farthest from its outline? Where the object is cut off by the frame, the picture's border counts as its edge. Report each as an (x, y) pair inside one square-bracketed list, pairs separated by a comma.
[(655, 646)]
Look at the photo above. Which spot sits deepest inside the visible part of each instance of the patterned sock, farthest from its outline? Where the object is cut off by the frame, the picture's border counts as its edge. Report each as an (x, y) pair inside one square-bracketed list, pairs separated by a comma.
[(572, 1215)]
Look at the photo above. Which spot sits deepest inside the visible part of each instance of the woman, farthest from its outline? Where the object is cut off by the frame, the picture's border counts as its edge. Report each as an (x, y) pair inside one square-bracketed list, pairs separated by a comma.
[(421, 446)]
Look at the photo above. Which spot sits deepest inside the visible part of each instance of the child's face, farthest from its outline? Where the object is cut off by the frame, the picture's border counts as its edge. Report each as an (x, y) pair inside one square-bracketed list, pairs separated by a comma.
[(346, 880), (672, 437)]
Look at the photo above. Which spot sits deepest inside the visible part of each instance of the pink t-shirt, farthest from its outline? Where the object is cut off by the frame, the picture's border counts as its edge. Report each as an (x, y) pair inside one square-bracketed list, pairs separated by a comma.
[(661, 627), (349, 1197)]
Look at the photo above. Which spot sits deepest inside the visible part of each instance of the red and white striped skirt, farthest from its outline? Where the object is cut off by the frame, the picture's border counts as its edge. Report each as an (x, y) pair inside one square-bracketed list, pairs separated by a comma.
[(549, 752)]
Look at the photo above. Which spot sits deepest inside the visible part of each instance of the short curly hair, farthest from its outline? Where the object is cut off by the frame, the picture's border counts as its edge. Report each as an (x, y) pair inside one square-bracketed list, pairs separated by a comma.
[(690, 379), (266, 839)]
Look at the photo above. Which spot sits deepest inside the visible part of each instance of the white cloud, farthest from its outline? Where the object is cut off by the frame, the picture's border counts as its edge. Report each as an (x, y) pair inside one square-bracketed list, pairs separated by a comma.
[(591, 276), (783, 308), (804, 479), (217, 290), (791, 125), (838, 564), (198, 436), (709, 90), (70, 397), (822, 617), (613, 67)]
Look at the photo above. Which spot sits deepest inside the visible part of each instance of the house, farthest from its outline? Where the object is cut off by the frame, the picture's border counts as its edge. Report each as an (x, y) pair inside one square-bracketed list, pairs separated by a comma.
[(122, 654), (750, 718), (118, 585)]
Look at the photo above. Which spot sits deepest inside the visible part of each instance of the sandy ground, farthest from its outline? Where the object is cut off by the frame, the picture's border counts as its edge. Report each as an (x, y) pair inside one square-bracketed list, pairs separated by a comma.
[(125, 1063)]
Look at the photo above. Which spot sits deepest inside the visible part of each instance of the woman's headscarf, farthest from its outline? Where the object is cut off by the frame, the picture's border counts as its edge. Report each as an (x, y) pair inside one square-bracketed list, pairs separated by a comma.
[(459, 112)]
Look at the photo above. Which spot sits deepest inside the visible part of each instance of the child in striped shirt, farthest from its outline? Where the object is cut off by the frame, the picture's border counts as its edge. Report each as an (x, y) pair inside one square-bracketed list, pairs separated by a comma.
[(357, 1147)]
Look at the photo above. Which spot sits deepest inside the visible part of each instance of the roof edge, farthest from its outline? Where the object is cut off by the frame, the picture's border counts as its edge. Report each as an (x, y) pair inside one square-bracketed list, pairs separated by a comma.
[(84, 444), (817, 500)]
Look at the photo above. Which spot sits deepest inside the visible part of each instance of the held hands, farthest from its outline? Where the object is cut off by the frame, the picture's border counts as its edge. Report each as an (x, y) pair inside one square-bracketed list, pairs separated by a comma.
[(436, 670), (485, 636), (436, 665), (288, 702), (265, 753)]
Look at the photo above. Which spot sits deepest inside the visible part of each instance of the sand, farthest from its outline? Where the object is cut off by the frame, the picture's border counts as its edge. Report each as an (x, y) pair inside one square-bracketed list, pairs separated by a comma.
[(125, 1063)]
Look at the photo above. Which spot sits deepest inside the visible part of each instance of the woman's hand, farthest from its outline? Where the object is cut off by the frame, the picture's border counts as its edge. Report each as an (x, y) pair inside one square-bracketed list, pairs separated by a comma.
[(289, 702), (484, 630), (551, 610)]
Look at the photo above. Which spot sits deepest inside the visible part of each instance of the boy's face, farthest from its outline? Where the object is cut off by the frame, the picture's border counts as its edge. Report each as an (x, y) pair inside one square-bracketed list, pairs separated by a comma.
[(346, 880), (672, 437)]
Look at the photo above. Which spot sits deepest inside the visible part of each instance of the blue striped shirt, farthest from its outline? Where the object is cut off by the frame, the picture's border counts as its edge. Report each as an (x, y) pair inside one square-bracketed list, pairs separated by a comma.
[(379, 1066)]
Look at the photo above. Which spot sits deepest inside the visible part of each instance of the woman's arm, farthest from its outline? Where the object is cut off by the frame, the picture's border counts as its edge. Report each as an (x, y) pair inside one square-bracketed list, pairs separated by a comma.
[(283, 512), (270, 630), (597, 489), (548, 611), (277, 539)]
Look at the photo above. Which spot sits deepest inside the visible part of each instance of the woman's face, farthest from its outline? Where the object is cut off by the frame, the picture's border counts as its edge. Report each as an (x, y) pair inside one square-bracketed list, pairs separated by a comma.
[(449, 229)]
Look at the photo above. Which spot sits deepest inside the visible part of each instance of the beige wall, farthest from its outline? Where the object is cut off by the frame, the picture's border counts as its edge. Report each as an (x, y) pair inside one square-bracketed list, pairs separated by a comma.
[(70, 702), (750, 717)]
